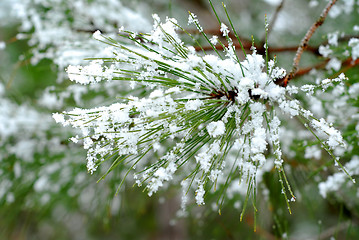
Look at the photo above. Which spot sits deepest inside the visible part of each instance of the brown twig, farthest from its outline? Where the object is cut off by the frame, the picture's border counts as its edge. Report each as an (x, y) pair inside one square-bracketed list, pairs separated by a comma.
[(304, 43), (247, 45), (290, 48), (274, 19), (348, 64), (306, 70)]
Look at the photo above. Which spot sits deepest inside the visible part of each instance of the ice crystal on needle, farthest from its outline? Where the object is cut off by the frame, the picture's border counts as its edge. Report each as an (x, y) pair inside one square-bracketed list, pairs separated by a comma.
[(207, 116)]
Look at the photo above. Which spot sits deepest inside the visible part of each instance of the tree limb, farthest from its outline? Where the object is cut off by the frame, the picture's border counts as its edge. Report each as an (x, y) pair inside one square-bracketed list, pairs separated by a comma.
[(304, 43)]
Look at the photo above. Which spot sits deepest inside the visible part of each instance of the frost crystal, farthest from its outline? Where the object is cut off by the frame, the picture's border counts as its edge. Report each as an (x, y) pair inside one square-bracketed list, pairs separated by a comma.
[(325, 51), (200, 195), (333, 38), (97, 35), (216, 128), (224, 29), (2, 45), (354, 44), (336, 181)]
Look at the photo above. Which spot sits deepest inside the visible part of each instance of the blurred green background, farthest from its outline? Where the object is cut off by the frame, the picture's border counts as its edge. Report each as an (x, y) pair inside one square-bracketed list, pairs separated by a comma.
[(46, 192)]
